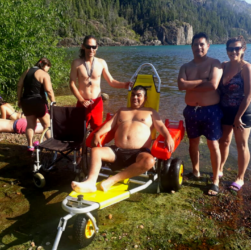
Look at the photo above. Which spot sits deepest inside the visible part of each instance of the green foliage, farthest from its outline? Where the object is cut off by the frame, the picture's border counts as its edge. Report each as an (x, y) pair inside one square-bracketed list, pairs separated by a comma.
[(28, 31)]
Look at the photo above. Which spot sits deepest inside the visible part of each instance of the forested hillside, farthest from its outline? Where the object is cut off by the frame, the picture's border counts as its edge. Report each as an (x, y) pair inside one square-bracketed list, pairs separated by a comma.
[(114, 18)]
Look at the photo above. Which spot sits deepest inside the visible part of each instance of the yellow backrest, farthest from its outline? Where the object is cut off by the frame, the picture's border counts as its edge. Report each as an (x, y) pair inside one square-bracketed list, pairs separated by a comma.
[(153, 96)]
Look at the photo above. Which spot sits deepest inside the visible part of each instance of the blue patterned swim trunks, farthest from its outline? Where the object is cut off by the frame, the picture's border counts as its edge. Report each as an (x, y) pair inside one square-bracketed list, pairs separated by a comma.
[(203, 121)]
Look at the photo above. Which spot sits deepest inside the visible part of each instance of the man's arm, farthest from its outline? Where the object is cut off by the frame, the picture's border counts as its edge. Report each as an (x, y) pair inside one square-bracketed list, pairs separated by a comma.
[(185, 84), (161, 128), (73, 80), (112, 82), (108, 126), (213, 81), (20, 86)]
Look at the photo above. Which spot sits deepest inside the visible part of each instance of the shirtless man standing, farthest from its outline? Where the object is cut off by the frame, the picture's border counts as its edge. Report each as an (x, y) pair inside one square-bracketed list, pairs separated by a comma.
[(88, 69), (200, 79), (132, 141)]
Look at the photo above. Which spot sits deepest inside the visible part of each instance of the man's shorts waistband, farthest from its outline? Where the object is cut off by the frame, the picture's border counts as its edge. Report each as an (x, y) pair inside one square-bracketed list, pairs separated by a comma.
[(198, 106)]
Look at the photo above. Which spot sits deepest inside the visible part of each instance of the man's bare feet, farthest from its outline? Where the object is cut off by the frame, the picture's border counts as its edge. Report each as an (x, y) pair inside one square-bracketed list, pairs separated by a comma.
[(106, 184), (83, 187)]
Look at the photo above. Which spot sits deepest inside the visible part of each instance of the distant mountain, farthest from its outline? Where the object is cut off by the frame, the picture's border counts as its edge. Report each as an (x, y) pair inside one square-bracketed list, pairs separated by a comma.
[(135, 21)]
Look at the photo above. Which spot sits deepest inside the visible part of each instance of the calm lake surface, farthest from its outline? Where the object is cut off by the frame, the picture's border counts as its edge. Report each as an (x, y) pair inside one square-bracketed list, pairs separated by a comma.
[(124, 61)]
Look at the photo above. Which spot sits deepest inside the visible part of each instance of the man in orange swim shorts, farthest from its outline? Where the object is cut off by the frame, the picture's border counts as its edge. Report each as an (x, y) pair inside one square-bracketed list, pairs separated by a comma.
[(88, 70)]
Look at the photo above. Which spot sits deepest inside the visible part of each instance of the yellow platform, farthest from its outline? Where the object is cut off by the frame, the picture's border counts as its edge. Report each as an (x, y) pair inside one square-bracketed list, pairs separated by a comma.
[(116, 193)]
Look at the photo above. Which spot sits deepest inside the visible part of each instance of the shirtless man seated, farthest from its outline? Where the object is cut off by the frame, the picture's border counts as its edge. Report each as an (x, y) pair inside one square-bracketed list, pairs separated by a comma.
[(132, 141)]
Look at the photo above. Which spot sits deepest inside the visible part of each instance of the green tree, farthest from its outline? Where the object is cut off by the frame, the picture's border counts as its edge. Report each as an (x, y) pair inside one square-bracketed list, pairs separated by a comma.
[(28, 31)]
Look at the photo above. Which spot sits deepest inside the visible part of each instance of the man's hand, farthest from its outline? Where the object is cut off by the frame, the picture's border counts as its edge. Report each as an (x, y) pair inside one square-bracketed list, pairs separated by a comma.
[(169, 144), (97, 141), (128, 84), (87, 103)]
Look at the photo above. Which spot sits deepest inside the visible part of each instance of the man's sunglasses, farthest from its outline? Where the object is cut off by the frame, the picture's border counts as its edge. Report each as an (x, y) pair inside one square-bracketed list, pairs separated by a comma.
[(232, 49), (91, 47)]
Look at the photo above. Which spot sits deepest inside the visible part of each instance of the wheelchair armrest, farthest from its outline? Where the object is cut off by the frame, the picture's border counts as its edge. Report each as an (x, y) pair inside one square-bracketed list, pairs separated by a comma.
[(105, 138), (177, 131)]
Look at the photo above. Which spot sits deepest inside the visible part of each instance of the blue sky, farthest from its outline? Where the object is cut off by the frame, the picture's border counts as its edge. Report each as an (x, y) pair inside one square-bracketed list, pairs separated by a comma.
[(248, 1)]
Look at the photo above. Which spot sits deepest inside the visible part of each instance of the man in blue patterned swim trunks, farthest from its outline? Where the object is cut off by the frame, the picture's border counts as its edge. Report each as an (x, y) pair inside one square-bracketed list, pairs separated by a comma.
[(200, 79)]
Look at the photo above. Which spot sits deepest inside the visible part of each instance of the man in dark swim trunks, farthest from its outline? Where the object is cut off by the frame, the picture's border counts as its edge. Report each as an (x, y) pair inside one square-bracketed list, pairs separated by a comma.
[(200, 79), (132, 141)]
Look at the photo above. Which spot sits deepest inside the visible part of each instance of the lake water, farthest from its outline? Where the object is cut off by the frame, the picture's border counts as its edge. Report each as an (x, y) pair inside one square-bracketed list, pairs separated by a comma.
[(124, 61)]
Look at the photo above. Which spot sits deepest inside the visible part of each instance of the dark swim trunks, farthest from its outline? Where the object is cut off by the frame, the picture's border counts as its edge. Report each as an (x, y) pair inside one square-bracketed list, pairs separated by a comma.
[(125, 157), (229, 114), (203, 121)]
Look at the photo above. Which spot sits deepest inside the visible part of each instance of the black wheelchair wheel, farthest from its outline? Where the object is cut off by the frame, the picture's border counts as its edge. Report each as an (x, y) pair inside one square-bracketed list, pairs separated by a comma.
[(172, 175), (83, 229), (164, 181), (39, 180), (175, 174)]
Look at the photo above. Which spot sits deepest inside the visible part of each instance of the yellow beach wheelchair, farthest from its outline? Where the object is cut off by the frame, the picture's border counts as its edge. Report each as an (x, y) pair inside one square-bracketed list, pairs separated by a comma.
[(167, 172)]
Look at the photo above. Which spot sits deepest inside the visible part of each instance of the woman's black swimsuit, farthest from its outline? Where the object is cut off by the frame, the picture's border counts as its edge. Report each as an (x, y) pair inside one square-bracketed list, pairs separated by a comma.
[(34, 100), (232, 94)]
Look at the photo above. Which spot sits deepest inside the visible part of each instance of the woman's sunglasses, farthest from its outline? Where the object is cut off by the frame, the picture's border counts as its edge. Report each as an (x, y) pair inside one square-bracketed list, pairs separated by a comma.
[(90, 47), (232, 49)]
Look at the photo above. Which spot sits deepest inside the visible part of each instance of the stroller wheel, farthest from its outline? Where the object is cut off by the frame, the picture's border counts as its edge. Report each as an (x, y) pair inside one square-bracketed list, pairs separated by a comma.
[(83, 229), (39, 180)]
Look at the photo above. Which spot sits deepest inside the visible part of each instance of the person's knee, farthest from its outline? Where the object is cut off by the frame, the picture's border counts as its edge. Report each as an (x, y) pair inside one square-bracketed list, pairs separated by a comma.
[(100, 153), (95, 151), (213, 145), (242, 145), (224, 142), (146, 161)]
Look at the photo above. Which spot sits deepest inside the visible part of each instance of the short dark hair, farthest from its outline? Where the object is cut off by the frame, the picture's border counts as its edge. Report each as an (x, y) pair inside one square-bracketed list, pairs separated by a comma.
[(43, 62), (237, 39), (140, 87), (200, 35), (82, 51)]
